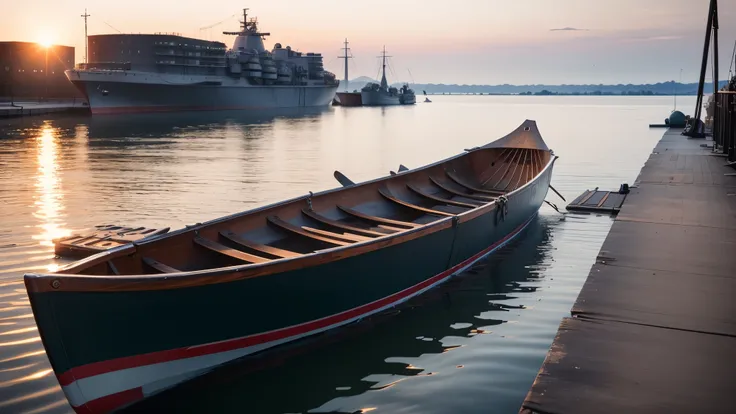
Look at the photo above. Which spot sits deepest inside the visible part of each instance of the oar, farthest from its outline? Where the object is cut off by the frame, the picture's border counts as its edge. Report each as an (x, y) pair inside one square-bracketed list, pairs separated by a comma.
[(558, 193), (342, 179)]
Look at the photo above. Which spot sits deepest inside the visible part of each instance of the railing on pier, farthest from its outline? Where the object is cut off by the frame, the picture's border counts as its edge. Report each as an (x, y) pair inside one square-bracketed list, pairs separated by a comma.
[(724, 126)]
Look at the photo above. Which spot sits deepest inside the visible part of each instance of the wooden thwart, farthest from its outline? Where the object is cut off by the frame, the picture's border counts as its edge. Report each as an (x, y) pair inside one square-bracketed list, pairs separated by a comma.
[(389, 197), (284, 225), (273, 251), (440, 199), (228, 251), (375, 219), (156, 265), (460, 181), (334, 223), (460, 193)]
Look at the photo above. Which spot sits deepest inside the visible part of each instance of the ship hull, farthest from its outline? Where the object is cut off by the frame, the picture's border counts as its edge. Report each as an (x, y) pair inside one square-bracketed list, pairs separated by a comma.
[(118, 97), (373, 98)]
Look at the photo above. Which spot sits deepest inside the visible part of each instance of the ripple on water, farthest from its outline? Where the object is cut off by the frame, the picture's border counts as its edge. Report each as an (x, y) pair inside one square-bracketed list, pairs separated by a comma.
[(496, 322)]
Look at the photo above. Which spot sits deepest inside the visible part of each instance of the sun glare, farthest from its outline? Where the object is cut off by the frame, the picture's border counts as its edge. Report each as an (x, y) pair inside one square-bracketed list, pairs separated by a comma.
[(45, 42)]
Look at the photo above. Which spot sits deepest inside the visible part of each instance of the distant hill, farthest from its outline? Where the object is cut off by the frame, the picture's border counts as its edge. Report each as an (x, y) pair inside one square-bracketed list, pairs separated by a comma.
[(662, 88)]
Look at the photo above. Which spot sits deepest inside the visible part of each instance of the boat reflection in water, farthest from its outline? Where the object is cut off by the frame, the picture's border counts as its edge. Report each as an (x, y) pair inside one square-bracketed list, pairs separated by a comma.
[(324, 375)]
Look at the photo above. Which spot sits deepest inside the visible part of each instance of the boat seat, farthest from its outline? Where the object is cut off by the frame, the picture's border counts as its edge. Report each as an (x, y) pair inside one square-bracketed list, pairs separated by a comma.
[(460, 181), (450, 190), (159, 266), (349, 237), (228, 251), (425, 210), (440, 199), (273, 251), (334, 223), (284, 225), (382, 220)]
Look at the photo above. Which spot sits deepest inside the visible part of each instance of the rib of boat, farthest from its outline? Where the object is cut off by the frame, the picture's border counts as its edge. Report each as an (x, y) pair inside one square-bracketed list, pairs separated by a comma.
[(126, 323)]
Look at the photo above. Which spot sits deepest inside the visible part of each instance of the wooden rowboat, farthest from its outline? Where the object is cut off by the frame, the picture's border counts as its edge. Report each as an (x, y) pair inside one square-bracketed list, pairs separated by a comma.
[(101, 238), (136, 319)]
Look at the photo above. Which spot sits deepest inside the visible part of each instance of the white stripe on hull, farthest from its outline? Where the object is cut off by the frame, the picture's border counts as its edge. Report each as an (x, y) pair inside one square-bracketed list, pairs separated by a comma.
[(157, 377)]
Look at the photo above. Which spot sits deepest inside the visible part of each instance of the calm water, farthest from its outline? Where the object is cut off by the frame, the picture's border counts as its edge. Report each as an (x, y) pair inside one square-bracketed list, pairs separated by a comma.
[(472, 346)]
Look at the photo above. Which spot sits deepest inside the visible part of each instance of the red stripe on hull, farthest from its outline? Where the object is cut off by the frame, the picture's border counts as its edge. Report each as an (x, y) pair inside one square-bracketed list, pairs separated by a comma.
[(110, 402), (103, 367)]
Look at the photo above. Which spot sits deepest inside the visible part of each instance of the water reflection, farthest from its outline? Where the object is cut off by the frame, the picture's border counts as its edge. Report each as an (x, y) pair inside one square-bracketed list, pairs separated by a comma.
[(339, 372), (49, 198)]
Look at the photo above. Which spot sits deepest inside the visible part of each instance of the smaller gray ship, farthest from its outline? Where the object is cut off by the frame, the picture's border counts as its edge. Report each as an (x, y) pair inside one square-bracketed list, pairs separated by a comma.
[(374, 94)]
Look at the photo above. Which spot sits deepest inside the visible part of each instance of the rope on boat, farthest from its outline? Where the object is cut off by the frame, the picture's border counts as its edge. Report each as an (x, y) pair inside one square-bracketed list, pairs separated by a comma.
[(309, 201), (502, 209)]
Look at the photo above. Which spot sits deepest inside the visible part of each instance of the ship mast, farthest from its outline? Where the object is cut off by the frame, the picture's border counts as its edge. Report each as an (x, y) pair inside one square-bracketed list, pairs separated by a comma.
[(384, 83), (248, 28), (346, 57), (86, 42)]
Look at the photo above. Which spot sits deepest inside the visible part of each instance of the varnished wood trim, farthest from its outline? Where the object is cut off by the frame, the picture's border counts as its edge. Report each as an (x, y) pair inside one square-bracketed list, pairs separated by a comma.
[(276, 221), (334, 223), (273, 251), (603, 200), (382, 220), (156, 265), (440, 199), (439, 184), (98, 258), (228, 251), (125, 283), (345, 236), (461, 182), (412, 206)]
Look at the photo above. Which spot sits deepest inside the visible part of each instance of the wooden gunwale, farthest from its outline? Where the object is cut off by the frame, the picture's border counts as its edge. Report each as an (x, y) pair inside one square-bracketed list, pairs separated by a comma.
[(76, 282)]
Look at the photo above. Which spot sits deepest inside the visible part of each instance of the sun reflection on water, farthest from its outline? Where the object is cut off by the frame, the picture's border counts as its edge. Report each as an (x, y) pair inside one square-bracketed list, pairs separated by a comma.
[(49, 196)]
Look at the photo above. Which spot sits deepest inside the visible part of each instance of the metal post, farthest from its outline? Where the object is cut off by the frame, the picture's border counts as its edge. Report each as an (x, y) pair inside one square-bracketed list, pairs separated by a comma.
[(693, 130), (85, 15)]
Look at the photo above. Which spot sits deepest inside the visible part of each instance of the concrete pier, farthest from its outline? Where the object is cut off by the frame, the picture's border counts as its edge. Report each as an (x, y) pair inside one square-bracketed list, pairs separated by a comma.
[(654, 327), (25, 108)]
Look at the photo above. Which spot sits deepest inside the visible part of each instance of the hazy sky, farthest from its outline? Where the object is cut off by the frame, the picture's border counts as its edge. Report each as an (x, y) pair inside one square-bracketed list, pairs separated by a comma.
[(463, 41)]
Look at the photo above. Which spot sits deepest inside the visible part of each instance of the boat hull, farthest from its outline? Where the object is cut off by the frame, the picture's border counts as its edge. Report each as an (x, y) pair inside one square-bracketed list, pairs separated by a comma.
[(116, 96), (118, 353), (376, 98)]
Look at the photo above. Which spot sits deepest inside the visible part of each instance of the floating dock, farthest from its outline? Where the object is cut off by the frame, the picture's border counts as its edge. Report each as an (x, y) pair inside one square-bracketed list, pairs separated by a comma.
[(597, 201), (19, 109), (654, 327), (102, 238)]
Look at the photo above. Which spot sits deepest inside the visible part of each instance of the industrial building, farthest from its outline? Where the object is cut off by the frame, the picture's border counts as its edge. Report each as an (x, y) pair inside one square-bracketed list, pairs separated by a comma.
[(33, 71)]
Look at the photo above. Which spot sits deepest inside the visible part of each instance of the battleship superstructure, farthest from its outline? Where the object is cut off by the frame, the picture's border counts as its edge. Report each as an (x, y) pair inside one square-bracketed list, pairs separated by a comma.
[(374, 94), (168, 72)]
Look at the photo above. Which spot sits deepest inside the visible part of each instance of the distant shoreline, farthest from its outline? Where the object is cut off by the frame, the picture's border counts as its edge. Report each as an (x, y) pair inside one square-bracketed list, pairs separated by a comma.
[(657, 89)]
